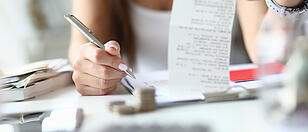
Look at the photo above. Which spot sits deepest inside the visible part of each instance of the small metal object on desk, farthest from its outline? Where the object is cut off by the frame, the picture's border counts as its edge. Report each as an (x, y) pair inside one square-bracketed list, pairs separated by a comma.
[(145, 101)]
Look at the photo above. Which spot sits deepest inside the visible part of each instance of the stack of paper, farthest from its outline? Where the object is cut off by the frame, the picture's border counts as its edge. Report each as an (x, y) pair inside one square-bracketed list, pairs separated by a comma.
[(34, 79)]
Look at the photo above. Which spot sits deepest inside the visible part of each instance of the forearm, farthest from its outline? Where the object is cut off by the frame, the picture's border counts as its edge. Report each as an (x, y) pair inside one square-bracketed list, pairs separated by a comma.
[(74, 50), (95, 15), (289, 3), (251, 15)]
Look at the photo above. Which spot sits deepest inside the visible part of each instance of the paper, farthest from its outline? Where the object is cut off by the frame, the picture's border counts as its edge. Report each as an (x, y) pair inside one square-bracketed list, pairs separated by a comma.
[(159, 80), (35, 80), (199, 46)]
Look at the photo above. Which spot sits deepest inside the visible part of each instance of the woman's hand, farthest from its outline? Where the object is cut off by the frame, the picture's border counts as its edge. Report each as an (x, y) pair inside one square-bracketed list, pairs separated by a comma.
[(96, 71)]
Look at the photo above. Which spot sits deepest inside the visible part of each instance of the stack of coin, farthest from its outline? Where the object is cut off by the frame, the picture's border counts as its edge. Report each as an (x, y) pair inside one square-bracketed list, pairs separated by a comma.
[(119, 107), (113, 103), (123, 109), (145, 99)]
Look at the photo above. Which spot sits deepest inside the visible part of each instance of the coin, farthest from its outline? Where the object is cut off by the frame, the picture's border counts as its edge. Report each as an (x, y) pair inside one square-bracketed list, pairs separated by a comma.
[(145, 99), (113, 103), (123, 109)]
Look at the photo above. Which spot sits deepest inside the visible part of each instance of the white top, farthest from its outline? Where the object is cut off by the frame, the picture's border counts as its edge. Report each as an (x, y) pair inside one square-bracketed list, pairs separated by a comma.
[(151, 28)]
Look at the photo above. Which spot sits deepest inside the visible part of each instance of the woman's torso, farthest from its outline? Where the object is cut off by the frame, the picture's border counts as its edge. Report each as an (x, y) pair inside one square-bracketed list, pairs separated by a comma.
[(151, 30)]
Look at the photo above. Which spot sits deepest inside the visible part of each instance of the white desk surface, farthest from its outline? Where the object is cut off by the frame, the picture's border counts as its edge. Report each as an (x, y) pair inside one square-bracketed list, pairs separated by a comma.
[(237, 116)]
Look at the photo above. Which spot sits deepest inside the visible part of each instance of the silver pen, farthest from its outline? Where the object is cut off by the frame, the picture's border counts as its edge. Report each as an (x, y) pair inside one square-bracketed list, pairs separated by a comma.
[(89, 35)]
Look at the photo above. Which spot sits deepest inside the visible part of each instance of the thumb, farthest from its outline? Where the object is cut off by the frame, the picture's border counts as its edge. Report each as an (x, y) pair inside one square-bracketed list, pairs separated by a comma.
[(113, 48)]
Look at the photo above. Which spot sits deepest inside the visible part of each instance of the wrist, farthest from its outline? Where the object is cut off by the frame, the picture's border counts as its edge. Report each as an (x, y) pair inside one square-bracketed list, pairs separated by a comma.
[(289, 3), (284, 10)]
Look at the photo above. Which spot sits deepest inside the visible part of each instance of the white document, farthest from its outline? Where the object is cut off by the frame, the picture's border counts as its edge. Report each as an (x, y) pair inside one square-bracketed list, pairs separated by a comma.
[(159, 80), (199, 46)]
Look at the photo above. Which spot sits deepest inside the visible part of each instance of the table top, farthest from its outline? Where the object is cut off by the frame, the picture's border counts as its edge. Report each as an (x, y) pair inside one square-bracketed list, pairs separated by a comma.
[(229, 116)]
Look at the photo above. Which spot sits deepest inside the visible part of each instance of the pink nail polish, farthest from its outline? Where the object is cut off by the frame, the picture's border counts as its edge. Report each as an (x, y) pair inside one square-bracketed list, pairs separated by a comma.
[(122, 67), (113, 46)]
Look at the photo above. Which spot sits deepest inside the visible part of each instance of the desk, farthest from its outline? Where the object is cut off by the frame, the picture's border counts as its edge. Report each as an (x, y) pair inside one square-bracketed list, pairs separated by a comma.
[(237, 116)]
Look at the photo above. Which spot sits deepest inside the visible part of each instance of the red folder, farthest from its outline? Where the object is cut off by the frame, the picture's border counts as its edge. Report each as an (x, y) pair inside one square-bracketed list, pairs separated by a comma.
[(252, 73)]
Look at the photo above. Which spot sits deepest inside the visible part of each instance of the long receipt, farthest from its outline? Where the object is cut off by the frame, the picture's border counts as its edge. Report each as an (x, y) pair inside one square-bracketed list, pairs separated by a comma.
[(199, 46)]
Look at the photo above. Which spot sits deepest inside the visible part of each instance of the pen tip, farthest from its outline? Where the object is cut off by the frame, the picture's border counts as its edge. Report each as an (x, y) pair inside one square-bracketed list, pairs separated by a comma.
[(132, 76), (130, 73)]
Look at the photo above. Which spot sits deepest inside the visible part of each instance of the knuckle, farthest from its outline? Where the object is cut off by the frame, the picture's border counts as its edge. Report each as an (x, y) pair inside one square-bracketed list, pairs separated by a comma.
[(75, 77), (81, 90), (105, 83), (100, 83), (98, 54), (123, 75), (93, 66), (115, 62), (105, 72), (111, 89), (115, 87), (107, 91), (76, 64), (102, 92)]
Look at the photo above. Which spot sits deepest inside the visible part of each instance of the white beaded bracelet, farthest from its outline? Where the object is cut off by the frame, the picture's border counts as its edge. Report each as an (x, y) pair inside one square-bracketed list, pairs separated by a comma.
[(287, 12)]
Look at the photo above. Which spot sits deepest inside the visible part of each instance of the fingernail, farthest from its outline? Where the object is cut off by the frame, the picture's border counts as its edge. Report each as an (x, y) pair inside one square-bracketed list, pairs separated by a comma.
[(122, 67), (113, 46)]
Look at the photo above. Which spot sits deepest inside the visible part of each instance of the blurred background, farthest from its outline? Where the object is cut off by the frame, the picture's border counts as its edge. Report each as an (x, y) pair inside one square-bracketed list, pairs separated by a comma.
[(32, 30)]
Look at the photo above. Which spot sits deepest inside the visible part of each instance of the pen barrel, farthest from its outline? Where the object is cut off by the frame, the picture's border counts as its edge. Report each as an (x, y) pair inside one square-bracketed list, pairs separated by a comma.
[(83, 30), (97, 43)]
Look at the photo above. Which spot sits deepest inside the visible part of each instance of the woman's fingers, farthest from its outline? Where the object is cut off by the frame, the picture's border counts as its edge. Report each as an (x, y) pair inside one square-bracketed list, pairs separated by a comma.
[(92, 81), (100, 56), (99, 71), (113, 48), (90, 91)]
